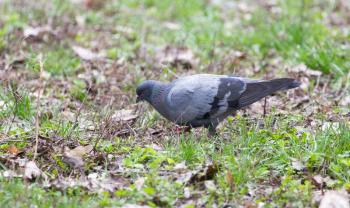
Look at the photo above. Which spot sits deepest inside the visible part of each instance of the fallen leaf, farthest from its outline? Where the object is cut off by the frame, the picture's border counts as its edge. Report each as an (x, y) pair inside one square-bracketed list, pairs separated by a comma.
[(37, 32), (87, 54), (156, 147), (230, 180), (13, 150), (94, 4), (177, 56), (235, 57), (180, 166), (206, 173), (171, 25), (74, 157), (106, 183), (94, 182), (302, 69), (93, 76), (31, 170), (335, 199), (124, 115), (321, 181), (70, 116)]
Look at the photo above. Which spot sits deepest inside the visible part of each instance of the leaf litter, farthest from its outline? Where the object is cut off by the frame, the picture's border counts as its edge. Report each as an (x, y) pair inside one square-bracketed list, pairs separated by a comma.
[(87, 54), (74, 157), (113, 74)]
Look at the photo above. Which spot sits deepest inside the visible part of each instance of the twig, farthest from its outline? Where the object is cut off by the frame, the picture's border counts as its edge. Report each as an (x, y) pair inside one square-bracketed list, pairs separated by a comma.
[(103, 125), (41, 64), (10, 138), (142, 51), (16, 97), (13, 140)]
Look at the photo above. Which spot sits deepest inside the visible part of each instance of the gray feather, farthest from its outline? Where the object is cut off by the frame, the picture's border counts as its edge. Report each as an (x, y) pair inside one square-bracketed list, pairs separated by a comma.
[(257, 90)]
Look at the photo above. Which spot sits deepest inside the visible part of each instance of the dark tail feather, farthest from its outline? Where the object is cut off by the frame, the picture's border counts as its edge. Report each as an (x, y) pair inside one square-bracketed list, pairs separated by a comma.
[(257, 90)]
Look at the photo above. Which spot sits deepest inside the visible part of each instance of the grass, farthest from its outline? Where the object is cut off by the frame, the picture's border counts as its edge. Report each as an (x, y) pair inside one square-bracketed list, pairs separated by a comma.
[(250, 158), (268, 160)]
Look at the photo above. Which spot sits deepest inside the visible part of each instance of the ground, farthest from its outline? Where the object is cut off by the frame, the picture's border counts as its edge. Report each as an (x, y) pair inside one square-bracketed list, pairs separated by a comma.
[(71, 134)]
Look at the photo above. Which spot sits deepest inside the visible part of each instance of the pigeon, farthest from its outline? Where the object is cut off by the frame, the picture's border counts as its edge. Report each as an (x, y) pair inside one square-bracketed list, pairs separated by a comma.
[(204, 100)]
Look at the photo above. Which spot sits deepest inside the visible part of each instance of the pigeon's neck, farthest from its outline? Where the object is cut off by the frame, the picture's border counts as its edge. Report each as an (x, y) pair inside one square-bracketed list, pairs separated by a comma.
[(158, 93)]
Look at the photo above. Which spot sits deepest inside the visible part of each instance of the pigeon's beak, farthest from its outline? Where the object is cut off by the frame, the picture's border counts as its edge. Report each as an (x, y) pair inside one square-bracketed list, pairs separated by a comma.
[(138, 99)]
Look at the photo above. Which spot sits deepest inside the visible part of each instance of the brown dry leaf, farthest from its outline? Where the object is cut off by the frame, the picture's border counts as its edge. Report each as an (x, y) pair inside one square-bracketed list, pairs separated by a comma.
[(302, 69), (106, 183), (206, 173), (31, 170), (70, 116), (37, 32), (124, 115), (235, 57), (94, 4), (321, 181), (74, 157), (335, 199), (230, 180), (202, 174), (87, 54), (177, 56), (13, 150)]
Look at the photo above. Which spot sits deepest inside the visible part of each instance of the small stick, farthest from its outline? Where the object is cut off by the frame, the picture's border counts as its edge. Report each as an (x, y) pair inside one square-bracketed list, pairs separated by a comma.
[(41, 63)]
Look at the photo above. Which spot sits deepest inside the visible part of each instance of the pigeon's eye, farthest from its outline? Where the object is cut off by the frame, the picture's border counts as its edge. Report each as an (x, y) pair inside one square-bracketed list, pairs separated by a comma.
[(140, 90)]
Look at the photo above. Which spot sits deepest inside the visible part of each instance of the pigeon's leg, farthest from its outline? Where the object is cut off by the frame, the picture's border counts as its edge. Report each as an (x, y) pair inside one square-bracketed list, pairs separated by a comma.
[(211, 130), (183, 129)]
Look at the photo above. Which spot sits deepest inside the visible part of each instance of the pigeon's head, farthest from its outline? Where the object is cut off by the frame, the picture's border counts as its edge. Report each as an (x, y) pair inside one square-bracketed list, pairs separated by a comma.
[(144, 90)]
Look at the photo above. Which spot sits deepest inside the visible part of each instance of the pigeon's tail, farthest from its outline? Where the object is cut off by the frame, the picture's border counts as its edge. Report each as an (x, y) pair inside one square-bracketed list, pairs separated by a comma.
[(257, 90)]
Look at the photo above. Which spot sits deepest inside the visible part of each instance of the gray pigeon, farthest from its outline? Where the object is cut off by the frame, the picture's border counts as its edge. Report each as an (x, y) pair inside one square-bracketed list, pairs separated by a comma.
[(207, 99)]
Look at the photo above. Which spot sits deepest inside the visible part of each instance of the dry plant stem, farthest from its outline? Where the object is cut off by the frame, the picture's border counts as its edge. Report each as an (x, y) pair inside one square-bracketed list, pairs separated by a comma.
[(142, 50), (103, 126), (77, 115), (41, 64), (14, 109)]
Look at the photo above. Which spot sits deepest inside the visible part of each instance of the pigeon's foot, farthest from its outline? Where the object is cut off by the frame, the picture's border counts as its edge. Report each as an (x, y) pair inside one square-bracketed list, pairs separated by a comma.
[(182, 129)]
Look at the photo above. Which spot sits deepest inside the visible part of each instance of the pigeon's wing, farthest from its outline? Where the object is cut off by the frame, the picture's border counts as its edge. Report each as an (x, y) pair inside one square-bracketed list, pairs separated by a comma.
[(204, 96), (256, 90)]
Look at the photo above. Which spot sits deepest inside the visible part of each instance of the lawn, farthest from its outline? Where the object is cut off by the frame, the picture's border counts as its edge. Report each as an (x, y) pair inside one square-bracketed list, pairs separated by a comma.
[(72, 134)]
